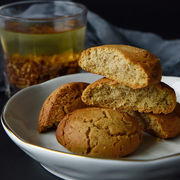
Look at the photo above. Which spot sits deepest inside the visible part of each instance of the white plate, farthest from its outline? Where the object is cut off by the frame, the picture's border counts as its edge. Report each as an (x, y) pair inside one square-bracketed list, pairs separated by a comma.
[(159, 159)]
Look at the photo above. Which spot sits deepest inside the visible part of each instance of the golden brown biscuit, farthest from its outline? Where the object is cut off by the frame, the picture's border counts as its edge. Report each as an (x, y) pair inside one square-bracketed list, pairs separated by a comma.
[(130, 66), (159, 98), (61, 101), (99, 132), (161, 125)]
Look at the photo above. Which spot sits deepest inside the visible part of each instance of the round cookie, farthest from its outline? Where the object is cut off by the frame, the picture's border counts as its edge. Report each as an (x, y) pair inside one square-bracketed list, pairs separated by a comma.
[(61, 101), (99, 132)]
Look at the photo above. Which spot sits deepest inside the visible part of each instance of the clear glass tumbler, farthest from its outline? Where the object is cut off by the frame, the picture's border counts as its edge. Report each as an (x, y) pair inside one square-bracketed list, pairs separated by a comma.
[(41, 40)]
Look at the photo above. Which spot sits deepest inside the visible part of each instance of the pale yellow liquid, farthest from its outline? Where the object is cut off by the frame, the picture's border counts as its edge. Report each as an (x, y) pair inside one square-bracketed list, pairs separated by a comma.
[(27, 56), (48, 44)]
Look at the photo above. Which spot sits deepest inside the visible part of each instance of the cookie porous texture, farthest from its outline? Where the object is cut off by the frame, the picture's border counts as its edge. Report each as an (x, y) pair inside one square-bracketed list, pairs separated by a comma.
[(161, 125), (99, 132), (128, 65), (61, 101), (159, 98)]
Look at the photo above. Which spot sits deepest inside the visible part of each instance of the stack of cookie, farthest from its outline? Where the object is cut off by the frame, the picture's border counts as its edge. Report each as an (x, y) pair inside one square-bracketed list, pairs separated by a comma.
[(106, 118), (133, 84)]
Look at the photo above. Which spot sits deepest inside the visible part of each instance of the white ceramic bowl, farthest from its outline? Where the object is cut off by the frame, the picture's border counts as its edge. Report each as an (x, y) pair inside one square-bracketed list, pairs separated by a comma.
[(153, 160)]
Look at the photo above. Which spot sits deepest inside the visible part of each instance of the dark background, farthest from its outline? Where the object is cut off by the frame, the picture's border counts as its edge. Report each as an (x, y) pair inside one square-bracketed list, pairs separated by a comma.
[(157, 16)]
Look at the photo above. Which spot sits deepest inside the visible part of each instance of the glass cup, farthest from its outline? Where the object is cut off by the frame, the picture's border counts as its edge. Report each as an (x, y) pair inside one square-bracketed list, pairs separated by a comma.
[(41, 40)]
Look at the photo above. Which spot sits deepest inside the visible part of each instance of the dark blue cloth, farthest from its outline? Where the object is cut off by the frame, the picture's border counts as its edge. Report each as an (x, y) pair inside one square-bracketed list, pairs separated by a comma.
[(101, 32)]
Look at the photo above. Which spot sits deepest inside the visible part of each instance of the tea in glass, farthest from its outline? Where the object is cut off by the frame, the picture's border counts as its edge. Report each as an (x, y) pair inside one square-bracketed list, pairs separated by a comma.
[(38, 47)]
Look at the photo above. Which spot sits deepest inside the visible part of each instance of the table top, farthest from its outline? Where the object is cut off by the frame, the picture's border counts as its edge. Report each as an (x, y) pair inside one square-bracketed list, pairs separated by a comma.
[(15, 164)]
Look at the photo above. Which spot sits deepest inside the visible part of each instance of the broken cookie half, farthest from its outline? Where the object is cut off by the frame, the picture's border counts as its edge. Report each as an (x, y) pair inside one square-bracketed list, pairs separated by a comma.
[(163, 126), (158, 98), (61, 101), (128, 65)]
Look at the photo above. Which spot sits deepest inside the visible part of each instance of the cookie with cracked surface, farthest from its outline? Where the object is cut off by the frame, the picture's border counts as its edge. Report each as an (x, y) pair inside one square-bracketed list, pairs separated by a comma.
[(99, 132), (161, 125), (128, 65), (61, 101), (158, 98)]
